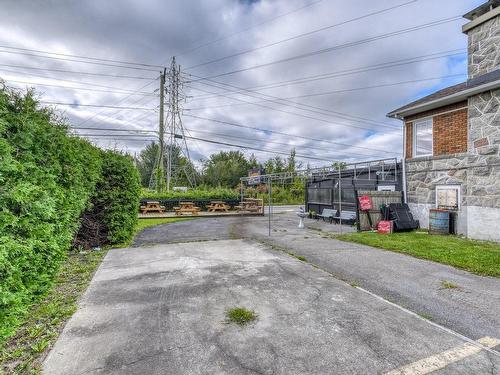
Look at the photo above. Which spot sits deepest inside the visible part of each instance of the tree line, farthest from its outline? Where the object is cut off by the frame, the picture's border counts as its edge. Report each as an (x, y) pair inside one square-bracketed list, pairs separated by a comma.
[(220, 170)]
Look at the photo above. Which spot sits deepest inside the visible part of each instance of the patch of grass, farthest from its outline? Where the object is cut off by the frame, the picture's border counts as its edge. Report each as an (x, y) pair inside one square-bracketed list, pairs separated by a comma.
[(299, 257), (146, 223), (448, 285), (479, 257), (23, 353), (425, 316), (240, 316)]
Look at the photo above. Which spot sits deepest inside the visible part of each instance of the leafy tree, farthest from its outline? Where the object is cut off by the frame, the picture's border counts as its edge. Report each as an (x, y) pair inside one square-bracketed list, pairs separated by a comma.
[(181, 166), (225, 168)]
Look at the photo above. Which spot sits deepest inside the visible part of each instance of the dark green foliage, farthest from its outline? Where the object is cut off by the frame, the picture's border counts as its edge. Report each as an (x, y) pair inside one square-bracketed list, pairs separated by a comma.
[(46, 180), (200, 193), (112, 216)]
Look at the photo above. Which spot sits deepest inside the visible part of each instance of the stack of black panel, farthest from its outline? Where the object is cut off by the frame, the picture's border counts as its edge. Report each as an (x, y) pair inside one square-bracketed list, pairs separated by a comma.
[(402, 217)]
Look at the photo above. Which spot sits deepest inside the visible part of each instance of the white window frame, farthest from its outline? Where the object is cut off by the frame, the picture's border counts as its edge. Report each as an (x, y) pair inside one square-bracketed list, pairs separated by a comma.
[(414, 134), (448, 187)]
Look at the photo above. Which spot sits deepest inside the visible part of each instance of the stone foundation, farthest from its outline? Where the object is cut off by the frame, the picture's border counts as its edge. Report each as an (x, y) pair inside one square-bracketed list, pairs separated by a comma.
[(479, 178)]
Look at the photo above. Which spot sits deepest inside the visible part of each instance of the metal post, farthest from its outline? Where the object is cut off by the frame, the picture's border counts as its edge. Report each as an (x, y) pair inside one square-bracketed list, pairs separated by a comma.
[(269, 202), (340, 200)]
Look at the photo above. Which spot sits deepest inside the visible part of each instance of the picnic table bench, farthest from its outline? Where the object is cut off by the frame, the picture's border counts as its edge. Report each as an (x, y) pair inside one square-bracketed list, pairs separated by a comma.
[(152, 206), (346, 216), (216, 206), (186, 208), (251, 205), (327, 213)]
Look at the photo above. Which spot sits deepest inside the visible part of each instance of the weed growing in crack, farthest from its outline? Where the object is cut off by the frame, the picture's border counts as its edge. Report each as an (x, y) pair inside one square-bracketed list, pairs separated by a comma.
[(448, 285), (240, 316)]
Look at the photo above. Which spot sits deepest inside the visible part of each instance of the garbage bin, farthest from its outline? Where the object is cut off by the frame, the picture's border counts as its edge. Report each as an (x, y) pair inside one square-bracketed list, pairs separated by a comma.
[(439, 221)]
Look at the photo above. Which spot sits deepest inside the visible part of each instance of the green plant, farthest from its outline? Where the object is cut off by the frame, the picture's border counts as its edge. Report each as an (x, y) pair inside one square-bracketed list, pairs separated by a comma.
[(208, 193), (480, 257), (47, 178), (448, 285), (240, 316), (112, 215)]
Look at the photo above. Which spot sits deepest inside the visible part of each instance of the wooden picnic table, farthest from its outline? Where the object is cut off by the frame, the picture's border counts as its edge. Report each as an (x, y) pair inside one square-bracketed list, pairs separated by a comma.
[(216, 206), (186, 208), (152, 206), (251, 205)]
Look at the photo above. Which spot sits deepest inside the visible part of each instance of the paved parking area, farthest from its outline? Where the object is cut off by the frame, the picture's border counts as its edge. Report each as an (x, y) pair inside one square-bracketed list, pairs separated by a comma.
[(161, 310)]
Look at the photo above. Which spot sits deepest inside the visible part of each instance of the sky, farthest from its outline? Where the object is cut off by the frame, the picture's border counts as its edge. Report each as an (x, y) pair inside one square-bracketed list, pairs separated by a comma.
[(315, 75)]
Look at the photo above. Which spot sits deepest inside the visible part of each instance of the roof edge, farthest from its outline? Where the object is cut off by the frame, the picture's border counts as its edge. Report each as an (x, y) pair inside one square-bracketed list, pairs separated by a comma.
[(481, 19), (441, 102)]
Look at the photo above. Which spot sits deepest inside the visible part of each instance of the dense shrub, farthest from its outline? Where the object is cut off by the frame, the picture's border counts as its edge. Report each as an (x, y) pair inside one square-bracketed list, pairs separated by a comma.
[(112, 215), (47, 178), (208, 193)]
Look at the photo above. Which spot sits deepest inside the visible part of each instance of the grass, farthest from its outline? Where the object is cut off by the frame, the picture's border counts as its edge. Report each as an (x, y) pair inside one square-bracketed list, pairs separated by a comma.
[(240, 316), (448, 285), (24, 352), (146, 223), (479, 257), (299, 257)]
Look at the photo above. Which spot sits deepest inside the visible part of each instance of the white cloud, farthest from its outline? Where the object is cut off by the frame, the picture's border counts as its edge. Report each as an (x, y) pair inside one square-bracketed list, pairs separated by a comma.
[(151, 31)]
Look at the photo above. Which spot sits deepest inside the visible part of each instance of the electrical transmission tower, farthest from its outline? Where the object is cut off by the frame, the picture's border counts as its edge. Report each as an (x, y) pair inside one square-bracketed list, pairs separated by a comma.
[(165, 177)]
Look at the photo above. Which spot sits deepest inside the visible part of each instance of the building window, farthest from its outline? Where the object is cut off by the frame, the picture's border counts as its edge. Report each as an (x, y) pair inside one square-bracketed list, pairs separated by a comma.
[(422, 137), (448, 197)]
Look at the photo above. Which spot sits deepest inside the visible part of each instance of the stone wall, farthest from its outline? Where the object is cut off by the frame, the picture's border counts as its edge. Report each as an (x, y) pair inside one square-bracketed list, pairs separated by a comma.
[(484, 122), (484, 51), (479, 178)]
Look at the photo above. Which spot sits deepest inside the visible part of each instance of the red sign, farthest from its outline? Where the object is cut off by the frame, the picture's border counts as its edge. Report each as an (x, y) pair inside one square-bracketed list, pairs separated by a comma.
[(365, 203), (384, 226)]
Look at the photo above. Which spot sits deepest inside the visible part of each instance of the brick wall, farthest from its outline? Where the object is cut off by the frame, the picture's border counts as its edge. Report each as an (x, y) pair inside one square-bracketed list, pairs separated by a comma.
[(450, 133), (449, 129), (409, 139)]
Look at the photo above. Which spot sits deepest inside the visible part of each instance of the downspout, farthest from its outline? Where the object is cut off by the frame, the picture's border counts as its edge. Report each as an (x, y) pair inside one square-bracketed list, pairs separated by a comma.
[(403, 163)]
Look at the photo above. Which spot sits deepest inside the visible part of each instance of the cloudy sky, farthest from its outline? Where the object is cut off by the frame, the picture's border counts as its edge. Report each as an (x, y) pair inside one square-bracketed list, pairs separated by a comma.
[(317, 75)]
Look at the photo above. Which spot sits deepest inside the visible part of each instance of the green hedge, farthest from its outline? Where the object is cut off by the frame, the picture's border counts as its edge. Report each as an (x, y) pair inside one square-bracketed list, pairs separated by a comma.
[(112, 215), (216, 193), (46, 181)]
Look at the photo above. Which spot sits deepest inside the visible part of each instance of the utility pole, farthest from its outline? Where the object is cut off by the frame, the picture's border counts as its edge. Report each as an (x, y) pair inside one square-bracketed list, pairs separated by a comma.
[(157, 180)]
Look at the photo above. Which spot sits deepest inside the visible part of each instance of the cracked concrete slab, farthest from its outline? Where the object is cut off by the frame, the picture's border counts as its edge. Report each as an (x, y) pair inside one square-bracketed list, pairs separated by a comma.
[(161, 310)]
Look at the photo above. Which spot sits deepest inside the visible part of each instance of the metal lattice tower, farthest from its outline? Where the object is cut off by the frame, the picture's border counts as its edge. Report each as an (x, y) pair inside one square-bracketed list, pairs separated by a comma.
[(175, 129), (171, 130)]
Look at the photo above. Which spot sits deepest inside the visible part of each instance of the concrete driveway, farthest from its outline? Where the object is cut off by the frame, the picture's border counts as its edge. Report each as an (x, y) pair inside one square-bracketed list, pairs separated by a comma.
[(161, 310)]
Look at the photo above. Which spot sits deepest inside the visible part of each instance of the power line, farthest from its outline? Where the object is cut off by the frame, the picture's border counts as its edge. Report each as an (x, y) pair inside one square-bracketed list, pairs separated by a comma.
[(118, 102), (71, 81), (341, 73), (338, 91), (287, 134), (337, 47), (273, 142), (123, 137), (248, 28), (302, 35), (85, 88), (98, 106), (75, 72), (81, 57), (300, 114), (78, 61), (205, 132), (114, 130)]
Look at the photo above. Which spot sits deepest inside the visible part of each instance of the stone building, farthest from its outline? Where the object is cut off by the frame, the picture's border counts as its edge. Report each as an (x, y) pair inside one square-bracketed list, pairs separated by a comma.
[(452, 137)]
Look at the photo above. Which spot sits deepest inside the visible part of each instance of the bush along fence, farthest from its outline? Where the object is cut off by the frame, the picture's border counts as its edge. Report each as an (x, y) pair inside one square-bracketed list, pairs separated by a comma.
[(202, 203), (47, 180)]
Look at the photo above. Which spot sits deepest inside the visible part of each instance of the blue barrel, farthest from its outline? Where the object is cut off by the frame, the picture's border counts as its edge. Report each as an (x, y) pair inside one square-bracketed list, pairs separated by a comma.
[(439, 221)]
